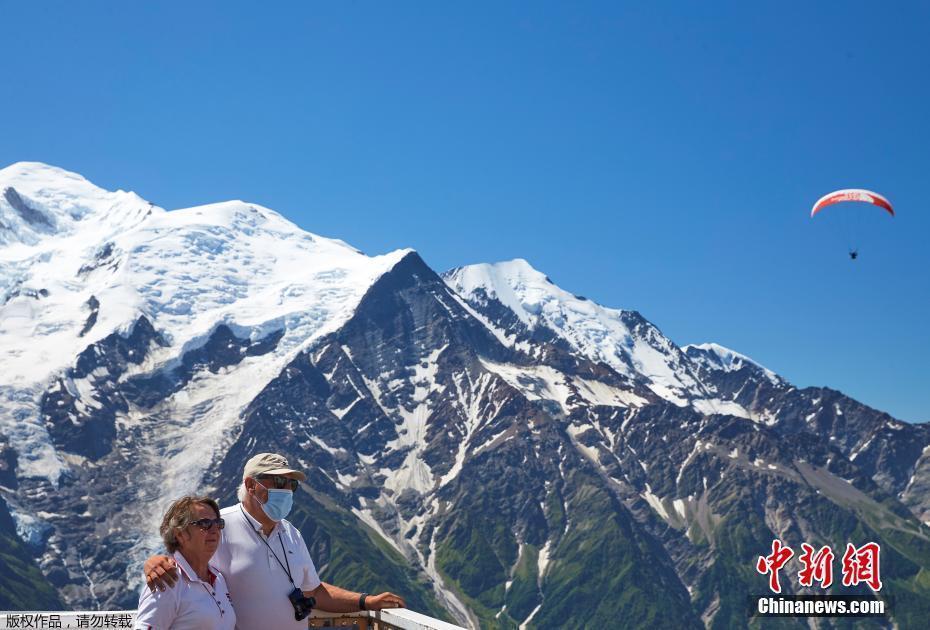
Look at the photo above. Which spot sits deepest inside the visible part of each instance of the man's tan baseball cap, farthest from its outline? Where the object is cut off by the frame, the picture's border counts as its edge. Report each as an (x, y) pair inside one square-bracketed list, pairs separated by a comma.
[(270, 464)]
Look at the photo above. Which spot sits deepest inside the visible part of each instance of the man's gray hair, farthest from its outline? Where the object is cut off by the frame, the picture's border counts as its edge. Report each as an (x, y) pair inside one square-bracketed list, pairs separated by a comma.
[(179, 516), (242, 493)]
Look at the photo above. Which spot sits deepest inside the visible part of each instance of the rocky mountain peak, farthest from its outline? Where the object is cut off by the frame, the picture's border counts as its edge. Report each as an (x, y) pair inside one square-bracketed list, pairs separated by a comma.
[(716, 357)]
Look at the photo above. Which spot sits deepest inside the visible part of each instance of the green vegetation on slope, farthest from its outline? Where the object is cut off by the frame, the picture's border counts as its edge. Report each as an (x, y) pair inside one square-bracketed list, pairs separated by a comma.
[(605, 572), (22, 585)]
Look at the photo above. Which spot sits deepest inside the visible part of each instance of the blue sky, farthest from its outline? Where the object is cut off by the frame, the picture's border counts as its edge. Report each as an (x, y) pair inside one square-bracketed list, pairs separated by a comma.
[(661, 158)]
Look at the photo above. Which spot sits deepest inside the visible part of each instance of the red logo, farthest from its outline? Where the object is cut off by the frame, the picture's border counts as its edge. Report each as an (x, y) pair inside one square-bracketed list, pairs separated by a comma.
[(860, 565), (771, 563), (817, 566)]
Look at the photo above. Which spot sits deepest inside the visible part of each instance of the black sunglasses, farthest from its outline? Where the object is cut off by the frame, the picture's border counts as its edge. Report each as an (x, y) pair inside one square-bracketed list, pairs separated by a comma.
[(206, 524), (281, 483)]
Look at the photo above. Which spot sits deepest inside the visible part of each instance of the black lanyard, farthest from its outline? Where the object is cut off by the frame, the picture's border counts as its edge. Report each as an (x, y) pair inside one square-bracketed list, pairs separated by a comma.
[(283, 550)]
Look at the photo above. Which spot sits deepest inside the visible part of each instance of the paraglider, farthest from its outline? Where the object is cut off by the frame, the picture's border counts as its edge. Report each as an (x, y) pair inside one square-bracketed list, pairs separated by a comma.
[(853, 194)]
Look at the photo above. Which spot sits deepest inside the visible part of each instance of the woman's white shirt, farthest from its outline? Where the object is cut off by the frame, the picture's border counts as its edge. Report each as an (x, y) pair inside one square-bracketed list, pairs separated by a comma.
[(191, 604)]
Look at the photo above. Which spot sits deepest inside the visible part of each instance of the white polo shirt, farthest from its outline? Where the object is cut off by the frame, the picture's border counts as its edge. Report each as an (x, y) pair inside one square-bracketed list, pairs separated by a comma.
[(193, 604), (257, 582)]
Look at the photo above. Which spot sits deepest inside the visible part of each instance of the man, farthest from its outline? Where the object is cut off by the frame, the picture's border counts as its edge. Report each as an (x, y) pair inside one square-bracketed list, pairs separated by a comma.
[(264, 558)]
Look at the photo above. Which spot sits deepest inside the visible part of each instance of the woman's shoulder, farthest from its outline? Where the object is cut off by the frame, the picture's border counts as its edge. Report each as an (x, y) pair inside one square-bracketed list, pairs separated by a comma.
[(160, 607), (169, 594)]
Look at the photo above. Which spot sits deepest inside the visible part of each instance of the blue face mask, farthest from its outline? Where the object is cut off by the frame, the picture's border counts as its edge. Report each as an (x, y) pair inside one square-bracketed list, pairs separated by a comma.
[(279, 504)]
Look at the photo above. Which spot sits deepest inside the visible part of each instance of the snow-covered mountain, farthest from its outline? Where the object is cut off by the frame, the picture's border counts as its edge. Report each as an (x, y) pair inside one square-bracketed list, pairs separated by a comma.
[(621, 339), (480, 434), (81, 263), (523, 307)]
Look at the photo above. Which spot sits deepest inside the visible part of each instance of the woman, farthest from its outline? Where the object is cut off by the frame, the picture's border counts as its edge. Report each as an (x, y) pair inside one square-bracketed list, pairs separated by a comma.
[(200, 600)]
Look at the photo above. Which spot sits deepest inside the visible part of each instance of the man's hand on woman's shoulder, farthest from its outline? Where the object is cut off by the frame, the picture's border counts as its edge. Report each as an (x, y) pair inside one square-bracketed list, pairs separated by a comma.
[(160, 573)]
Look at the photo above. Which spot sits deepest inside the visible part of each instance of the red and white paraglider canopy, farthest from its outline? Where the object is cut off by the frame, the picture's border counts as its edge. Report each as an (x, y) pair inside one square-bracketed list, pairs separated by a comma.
[(852, 194)]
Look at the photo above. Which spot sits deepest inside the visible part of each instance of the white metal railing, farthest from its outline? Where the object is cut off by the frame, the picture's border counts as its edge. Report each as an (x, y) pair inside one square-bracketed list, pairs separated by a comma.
[(399, 618), (395, 618)]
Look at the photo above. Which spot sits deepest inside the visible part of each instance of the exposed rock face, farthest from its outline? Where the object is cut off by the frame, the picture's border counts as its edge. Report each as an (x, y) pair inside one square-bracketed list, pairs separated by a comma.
[(30, 215), (88, 427)]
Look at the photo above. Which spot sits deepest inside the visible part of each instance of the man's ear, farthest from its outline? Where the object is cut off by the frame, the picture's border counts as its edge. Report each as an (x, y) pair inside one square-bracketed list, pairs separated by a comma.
[(182, 537)]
